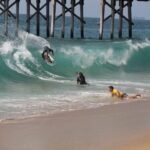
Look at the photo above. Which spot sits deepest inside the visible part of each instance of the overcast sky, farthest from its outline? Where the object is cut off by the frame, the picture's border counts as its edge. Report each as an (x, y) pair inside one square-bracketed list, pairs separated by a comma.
[(92, 8)]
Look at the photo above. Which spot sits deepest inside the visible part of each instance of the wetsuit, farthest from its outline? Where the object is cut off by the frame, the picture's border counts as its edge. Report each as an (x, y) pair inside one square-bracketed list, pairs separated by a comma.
[(81, 80)]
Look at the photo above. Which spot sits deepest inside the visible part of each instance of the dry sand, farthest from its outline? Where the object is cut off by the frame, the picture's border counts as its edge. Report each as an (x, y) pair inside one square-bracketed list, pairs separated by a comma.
[(114, 127)]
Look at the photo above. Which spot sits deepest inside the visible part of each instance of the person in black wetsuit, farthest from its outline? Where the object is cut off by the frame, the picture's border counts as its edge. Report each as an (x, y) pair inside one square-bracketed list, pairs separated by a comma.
[(45, 53), (81, 79)]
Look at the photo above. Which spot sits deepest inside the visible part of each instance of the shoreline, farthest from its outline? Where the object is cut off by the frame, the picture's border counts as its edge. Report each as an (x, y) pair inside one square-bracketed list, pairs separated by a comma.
[(51, 114), (111, 127)]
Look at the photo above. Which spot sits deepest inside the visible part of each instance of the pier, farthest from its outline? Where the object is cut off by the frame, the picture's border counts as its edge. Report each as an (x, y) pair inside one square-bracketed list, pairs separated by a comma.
[(35, 9)]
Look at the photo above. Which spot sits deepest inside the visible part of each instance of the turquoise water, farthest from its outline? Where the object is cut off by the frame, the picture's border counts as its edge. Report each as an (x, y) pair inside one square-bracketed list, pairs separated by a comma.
[(30, 87)]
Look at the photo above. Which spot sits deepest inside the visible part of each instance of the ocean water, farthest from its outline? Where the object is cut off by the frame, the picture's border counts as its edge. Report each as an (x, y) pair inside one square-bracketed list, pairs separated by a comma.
[(30, 87)]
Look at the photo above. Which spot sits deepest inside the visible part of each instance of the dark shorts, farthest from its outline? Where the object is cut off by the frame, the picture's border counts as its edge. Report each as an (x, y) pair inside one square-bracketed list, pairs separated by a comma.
[(125, 95)]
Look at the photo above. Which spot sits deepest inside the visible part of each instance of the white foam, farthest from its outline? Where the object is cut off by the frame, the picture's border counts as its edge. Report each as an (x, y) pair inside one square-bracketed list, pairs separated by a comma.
[(53, 75), (32, 40), (139, 45), (11, 66), (80, 56), (6, 47), (86, 58), (54, 80), (20, 56), (16, 55)]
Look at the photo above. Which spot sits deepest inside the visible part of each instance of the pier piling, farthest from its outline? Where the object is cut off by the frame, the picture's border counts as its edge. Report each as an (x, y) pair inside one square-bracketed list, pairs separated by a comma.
[(102, 15), (130, 18), (53, 14), (28, 16), (6, 3), (17, 16), (63, 19), (82, 17), (113, 2), (48, 18), (121, 4), (38, 17), (72, 19), (112, 5)]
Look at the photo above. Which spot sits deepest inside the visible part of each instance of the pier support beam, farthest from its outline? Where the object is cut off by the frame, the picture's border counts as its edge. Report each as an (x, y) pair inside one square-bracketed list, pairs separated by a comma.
[(71, 10), (28, 16), (82, 17), (48, 18), (121, 4), (17, 17), (63, 19), (53, 14), (72, 19), (38, 17), (130, 18), (6, 3), (113, 3), (5, 9), (102, 15)]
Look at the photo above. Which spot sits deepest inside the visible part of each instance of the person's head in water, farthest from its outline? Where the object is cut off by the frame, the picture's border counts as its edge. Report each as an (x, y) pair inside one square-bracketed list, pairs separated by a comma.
[(81, 74), (111, 88)]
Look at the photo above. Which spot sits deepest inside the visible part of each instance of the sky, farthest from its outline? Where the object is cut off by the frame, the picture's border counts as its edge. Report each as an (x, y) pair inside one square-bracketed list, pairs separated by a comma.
[(92, 8), (140, 9)]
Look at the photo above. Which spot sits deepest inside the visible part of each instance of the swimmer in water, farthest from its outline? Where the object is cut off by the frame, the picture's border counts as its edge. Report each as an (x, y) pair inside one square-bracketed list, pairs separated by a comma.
[(118, 94), (81, 79)]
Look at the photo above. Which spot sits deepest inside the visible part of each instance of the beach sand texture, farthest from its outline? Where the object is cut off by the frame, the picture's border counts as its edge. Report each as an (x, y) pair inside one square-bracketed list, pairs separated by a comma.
[(113, 127)]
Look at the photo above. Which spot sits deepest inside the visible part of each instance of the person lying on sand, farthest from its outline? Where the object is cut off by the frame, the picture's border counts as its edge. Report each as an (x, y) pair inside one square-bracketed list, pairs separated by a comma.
[(81, 79), (45, 53), (116, 93)]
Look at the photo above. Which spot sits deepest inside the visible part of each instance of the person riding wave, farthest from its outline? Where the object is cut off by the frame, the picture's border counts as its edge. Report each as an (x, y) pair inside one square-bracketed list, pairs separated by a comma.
[(45, 53)]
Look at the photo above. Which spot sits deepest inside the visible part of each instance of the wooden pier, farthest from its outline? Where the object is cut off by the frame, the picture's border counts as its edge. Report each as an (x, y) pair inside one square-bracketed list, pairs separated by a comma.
[(112, 5), (35, 9)]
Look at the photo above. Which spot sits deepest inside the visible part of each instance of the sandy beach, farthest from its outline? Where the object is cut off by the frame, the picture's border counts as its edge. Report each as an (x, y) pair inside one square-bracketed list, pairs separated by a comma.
[(114, 127)]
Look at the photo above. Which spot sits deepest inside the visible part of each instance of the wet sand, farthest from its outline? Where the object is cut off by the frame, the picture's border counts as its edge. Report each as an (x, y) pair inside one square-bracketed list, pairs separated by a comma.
[(114, 127)]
